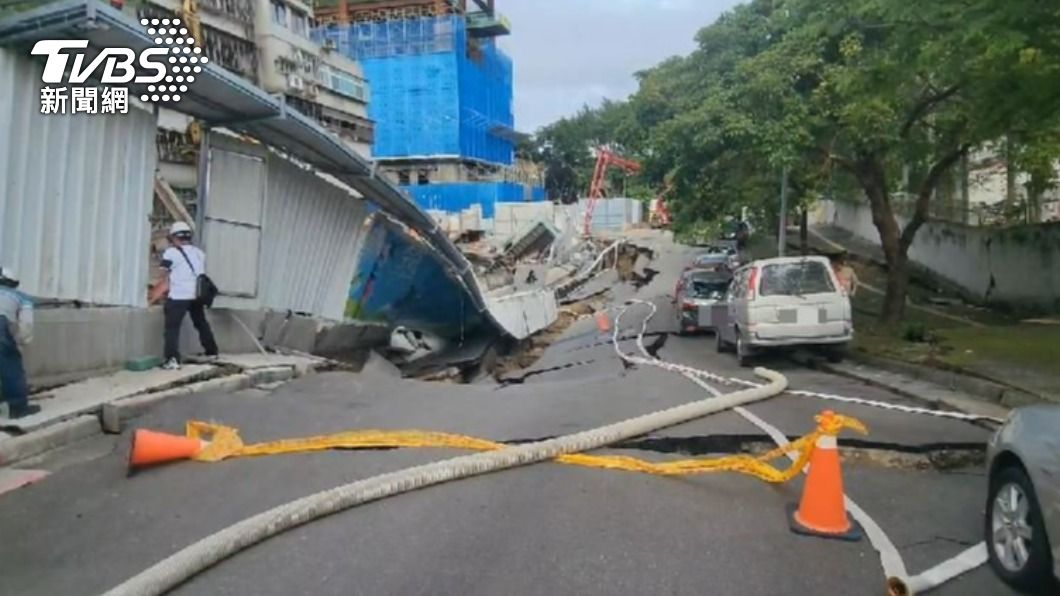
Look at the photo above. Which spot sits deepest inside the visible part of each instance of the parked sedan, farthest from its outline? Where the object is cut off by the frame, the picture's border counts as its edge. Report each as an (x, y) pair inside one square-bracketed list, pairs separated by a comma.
[(698, 290), (1022, 523), (784, 302), (717, 259)]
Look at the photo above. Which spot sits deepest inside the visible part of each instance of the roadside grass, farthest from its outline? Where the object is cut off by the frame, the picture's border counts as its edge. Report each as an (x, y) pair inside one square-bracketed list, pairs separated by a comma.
[(992, 344), (1035, 347)]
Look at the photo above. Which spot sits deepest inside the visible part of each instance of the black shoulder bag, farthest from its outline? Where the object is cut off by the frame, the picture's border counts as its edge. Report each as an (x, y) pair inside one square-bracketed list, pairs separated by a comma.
[(205, 290)]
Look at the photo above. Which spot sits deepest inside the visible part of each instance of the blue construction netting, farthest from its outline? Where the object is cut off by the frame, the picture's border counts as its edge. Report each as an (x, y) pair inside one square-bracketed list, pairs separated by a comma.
[(457, 196), (435, 91)]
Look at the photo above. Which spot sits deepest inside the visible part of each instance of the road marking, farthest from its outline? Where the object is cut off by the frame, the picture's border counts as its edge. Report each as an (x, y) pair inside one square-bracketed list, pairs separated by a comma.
[(890, 559), (949, 569)]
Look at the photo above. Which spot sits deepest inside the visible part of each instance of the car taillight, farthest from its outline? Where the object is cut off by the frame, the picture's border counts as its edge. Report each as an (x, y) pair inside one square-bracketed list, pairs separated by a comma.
[(751, 279)]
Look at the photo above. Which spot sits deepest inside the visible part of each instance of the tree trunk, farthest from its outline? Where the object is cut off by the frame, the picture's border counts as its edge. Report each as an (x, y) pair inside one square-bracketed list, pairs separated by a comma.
[(897, 287), (804, 231), (873, 179)]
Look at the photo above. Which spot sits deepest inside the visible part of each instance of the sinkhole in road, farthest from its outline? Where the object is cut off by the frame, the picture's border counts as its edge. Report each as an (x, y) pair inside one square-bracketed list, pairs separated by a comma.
[(938, 457)]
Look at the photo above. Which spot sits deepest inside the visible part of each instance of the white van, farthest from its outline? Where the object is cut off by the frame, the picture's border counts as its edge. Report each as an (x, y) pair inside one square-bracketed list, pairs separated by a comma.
[(784, 302)]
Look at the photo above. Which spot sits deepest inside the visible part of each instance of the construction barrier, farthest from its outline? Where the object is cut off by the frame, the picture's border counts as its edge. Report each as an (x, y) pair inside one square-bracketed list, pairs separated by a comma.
[(223, 442)]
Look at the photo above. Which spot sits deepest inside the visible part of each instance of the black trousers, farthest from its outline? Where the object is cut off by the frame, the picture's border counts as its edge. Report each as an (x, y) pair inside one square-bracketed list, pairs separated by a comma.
[(175, 310)]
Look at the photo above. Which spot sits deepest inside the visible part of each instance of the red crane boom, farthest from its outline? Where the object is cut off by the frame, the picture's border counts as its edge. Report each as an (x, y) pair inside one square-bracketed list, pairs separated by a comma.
[(605, 159)]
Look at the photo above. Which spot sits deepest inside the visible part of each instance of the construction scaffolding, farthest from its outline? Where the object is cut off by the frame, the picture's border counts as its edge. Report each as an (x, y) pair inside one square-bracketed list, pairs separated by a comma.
[(436, 90)]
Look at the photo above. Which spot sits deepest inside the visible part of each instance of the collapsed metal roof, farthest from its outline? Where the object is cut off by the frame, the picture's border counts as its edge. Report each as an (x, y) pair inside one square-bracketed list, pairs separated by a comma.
[(222, 99)]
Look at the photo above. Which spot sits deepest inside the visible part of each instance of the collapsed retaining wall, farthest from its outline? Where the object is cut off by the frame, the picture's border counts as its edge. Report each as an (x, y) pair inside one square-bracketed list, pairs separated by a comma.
[(1017, 266)]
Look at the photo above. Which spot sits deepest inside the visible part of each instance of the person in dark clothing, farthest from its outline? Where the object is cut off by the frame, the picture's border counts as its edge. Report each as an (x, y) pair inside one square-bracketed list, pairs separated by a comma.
[(16, 331), (184, 263)]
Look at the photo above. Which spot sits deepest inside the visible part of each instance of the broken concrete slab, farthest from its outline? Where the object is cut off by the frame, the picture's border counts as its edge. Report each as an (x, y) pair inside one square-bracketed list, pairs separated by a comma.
[(300, 363), (376, 364), (89, 395)]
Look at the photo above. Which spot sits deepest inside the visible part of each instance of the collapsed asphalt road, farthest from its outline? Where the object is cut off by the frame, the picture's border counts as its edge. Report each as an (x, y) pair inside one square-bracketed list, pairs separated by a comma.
[(546, 529)]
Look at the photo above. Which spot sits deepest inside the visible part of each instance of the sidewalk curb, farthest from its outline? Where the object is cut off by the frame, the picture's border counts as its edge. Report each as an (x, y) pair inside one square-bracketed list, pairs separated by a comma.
[(955, 402), (986, 390), (113, 416), (48, 438)]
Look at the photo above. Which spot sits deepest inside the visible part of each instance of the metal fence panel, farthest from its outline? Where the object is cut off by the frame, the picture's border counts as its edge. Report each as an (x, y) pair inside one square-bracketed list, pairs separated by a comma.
[(310, 241), (75, 194)]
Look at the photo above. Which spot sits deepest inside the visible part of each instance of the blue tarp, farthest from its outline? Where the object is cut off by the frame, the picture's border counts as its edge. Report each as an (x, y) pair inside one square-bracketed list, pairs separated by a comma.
[(434, 90)]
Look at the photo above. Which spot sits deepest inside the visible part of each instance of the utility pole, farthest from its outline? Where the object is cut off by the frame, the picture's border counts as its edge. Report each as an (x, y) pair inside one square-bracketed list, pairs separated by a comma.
[(782, 236)]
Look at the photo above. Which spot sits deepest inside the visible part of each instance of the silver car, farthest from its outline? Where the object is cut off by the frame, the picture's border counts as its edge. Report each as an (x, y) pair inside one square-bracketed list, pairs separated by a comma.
[(1023, 503), (784, 302)]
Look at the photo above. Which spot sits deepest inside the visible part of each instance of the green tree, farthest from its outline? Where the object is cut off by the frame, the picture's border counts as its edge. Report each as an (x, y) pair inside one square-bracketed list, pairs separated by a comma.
[(875, 86), (882, 96)]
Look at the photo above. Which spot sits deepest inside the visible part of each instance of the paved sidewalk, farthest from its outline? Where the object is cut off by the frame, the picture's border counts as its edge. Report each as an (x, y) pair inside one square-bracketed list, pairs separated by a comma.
[(88, 395)]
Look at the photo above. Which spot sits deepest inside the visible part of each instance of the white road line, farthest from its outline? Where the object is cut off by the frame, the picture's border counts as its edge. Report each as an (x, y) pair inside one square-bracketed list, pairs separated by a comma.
[(890, 559)]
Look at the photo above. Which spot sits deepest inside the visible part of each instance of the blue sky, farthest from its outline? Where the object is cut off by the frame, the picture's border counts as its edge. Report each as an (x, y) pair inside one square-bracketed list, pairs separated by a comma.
[(568, 53)]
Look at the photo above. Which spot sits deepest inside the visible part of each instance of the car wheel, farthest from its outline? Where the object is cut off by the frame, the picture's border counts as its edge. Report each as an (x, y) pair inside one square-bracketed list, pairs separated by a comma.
[(835, 355), (1015, 535), (743, 351)]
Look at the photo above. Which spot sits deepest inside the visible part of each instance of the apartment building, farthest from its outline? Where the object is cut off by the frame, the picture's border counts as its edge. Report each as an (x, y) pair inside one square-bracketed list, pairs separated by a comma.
[(269, 43)]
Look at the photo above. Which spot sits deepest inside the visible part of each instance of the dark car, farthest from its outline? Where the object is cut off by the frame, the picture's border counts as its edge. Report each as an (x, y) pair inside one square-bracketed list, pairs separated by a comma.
[(697, 291), (717, 259)]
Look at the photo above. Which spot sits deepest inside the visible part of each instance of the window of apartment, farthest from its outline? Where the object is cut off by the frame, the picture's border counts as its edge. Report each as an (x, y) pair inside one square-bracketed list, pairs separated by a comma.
[(344, 83), (299, 23), (279, 13)]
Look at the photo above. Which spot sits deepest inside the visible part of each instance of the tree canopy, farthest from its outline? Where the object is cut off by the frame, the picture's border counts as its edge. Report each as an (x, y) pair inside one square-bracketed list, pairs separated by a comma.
[(873, 98)]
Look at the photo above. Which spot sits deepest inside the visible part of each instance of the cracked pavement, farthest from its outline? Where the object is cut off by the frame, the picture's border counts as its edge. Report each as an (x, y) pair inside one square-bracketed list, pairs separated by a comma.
[(545, 529)]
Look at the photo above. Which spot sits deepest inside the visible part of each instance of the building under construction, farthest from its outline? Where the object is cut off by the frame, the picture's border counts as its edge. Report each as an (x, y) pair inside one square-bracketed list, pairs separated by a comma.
[(441, 96)]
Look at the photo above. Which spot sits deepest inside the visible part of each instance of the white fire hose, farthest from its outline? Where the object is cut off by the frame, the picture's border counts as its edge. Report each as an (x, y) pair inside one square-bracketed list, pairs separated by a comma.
[(207, 552)]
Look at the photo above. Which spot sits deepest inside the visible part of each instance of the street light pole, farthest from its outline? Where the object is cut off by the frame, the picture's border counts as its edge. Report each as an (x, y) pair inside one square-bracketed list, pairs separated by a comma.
[(782, 236)]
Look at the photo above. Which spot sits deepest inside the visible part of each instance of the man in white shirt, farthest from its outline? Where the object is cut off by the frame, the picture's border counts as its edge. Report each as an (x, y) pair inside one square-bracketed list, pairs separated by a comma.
[(184, 263)]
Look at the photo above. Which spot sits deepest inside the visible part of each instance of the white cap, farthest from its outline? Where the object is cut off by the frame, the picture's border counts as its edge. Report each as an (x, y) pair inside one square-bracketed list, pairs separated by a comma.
[(179, 228), (8, 273)]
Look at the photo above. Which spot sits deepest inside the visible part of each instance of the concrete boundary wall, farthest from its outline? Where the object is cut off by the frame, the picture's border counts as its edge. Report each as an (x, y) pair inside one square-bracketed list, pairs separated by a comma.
[(609, 215), (71, 344), (1017, 266)]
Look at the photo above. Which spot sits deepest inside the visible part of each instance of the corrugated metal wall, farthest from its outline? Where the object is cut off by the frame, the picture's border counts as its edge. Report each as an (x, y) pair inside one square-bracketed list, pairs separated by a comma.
[(308, 239), (310, 234), (75, 194), (234, 219)]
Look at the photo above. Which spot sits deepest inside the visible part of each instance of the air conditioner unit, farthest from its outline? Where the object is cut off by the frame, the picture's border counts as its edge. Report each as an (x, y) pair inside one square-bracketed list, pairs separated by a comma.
[(295, 83), (329, 44)]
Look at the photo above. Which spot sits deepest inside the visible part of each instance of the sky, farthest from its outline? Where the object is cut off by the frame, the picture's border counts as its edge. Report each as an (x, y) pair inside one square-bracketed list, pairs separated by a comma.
[(568, 53)]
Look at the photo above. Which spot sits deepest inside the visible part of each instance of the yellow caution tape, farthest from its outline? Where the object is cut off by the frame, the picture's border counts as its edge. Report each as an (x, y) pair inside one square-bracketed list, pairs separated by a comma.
[(225, 443)]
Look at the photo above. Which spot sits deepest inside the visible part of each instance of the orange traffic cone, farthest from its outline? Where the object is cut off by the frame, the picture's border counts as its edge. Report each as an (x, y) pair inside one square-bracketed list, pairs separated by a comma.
[(821, 511), (603, 322), (150, 447)]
